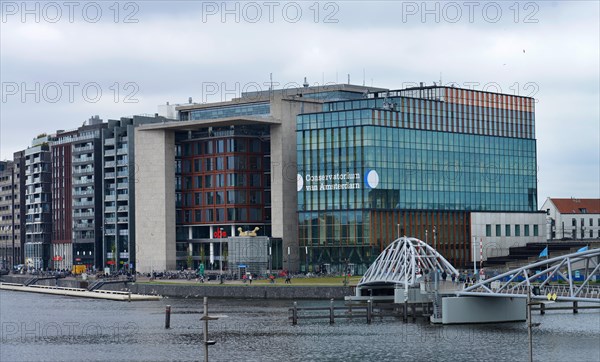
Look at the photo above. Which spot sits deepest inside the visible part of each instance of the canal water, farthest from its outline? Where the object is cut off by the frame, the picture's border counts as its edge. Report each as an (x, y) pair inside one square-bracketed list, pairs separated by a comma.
[(37, 327)]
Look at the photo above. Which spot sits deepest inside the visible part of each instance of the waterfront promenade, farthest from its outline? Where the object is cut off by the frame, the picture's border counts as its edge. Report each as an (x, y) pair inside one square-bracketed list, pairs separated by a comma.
[(300, 288)]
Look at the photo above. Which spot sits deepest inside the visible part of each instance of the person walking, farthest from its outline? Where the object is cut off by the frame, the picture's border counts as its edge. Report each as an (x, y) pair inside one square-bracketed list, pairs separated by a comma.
[(250, 279)]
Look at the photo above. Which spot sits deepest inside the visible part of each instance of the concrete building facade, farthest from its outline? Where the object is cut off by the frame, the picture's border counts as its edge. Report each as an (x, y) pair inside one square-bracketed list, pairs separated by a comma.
[(77, 196), (253, 186), (12, 214), (38, 204), (121, 178), (493, 234)]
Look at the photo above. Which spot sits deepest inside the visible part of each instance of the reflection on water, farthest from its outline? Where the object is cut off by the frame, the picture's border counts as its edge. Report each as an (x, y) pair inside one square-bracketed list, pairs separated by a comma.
[(50, 328)]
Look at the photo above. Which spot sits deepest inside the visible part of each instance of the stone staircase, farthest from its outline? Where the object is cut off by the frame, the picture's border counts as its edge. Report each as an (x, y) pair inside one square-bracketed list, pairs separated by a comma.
[(528, 254)]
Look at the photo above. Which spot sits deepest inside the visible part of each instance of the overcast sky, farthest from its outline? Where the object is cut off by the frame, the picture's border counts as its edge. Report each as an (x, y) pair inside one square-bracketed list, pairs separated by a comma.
[(63, 62)]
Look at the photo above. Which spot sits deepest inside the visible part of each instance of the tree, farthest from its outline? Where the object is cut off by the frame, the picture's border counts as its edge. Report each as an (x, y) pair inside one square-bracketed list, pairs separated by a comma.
[(190, 261)]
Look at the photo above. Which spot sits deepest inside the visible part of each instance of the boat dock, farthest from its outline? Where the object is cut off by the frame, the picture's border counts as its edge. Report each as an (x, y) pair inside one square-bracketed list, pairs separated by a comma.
[(79, 292)]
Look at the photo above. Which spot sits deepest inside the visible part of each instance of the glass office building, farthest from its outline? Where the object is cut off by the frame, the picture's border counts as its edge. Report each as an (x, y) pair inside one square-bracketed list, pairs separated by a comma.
[(411, 162)]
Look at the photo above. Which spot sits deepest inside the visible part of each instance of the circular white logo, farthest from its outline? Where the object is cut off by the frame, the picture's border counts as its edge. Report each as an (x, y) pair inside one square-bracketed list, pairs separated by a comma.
[(299, 182), (372, 179)]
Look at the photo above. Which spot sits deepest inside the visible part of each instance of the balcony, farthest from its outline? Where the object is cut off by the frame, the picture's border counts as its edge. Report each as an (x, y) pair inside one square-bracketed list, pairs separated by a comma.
[(109, 141), (83, 214), (109, 164), (83, 226), (123, 197), (83, 159), (122, 162), (122, 151), (109, 152), (122, 185), (110, 232), (110, 197), (109, 175), (83, 149), (110, 220), (123, 220), (110, 209), (83, 182), (83, 203), (83, 171), (83, 193)]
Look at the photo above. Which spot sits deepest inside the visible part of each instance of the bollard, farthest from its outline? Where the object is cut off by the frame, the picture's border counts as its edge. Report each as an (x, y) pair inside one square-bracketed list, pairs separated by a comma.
[(168, 317), (413, 309), (129, 296), (405, 312), (542, 308), (295, 314), (575, 311), (369, 311), (331, 316)]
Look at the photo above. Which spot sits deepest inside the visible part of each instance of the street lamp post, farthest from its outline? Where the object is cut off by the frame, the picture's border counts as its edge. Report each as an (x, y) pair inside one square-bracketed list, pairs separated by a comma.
[(220, 253), (270, 259), (306, 253), (398, 226), (474, 256)]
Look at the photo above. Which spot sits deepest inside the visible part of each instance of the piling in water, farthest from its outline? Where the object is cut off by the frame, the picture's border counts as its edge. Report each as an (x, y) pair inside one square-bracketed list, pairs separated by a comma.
[(168, 317)]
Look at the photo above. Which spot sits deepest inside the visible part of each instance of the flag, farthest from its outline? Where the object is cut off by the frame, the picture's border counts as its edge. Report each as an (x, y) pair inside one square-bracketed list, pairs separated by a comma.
[(544, 252), (585, 248)]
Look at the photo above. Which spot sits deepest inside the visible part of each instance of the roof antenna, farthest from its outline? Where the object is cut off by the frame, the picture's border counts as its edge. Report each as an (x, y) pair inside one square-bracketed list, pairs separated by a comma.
[(348, 78), (305, 83), (363, 77)]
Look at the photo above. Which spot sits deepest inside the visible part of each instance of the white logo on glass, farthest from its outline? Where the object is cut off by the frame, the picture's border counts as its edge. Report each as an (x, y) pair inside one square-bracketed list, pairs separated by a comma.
[(299, 182), (372, 179)]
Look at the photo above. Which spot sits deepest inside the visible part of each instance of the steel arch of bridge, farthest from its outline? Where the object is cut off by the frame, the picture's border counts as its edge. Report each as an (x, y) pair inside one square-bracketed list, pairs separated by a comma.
[(403, 261), (562, 267)]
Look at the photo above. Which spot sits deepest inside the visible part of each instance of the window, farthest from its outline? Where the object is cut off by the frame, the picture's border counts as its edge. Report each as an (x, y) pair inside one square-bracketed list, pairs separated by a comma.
[(526, 231), (488, 230), (591, 222), (517, 230), (507, 230), (573, 222), (535, 230), (220, 198), (498, 230)]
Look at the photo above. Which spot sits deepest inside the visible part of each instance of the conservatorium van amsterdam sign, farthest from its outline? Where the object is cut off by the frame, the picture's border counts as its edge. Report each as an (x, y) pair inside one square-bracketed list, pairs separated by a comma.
[(337, 181)]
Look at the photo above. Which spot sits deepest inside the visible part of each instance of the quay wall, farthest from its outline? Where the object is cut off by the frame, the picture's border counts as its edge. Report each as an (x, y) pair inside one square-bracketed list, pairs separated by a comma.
[(176, 289)]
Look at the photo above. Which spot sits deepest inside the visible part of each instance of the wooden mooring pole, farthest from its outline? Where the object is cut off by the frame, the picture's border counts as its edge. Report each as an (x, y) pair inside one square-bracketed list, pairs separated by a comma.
[(331, 315), (295, 314), (168, 317)]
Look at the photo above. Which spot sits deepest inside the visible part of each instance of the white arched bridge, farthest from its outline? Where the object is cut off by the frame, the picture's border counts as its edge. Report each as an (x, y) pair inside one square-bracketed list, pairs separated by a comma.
[(552, 279), (568, 277), (403, 263)]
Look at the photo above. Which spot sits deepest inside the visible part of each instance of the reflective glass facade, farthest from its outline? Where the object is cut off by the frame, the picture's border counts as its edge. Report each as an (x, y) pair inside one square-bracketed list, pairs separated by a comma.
[(246, 109), (372, 168)]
